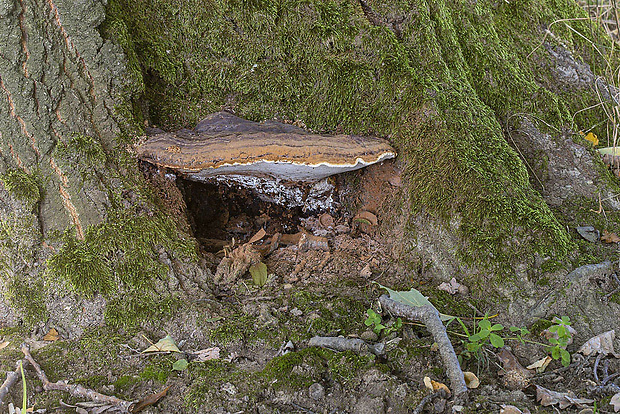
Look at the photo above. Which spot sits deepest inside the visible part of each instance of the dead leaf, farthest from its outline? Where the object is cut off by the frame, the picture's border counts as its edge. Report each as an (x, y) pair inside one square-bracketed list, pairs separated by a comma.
[(615, 401), (4, 344), (453, 287), (259, 274), (511, 409), (166, 344), (206, 354), (563, 399), (148, 401), (52, 335), (514, 376), (435, 385), (471, 380), (366, 217), (326, 220), (600, 344), (541, 364), (592, 138), (608, 237), (259, 235)]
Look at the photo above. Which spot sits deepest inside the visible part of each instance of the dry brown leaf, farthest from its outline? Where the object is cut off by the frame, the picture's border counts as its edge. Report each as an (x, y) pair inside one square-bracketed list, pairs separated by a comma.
[(541, 364), (435, 385), (615, 401), (453, 287), (259, 235), (608, 237), (600, 344), (206, 354), (514, 376), (326, 221), (511, 409), (52, 335), (4, 344), (148, 401), (471, 380), (563, 399), (366, 217)]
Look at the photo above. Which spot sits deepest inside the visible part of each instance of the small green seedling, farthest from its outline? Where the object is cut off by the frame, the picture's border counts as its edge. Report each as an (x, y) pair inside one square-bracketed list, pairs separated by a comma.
[(486, 333), (559, 344), (374, 320)]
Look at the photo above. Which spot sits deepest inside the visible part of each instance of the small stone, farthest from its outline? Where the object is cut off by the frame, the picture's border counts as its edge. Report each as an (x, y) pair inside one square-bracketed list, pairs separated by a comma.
[(589, 233), (341, 228), (296, 312), (586, 411), (366, 272), (316, 391), (369, 336)]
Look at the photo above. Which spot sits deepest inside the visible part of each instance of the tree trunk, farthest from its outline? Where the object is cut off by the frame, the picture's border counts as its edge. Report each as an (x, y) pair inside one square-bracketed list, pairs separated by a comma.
[(466, 91)]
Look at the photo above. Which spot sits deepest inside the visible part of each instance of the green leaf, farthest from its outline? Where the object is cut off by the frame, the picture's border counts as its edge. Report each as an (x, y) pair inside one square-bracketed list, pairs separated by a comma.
[(497, 327), (476, 337), (378, 327), (496, 340), (413, 298), (180, 365), (259, 274), (555, 352), (565, 357), (484, 324), (565, 320)]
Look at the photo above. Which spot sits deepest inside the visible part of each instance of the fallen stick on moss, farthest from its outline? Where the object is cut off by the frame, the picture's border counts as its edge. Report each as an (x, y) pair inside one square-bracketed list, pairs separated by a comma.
[(346, 344), (429, 316), (11, 378), (76, 390)]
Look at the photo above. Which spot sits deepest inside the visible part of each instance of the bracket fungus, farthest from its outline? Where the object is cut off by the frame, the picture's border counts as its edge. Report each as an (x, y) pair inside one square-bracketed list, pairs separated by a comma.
[(283, 163), (224, 144)]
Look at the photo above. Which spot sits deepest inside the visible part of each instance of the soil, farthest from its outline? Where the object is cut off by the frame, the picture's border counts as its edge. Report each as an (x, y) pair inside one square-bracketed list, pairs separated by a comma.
[(265, 365)]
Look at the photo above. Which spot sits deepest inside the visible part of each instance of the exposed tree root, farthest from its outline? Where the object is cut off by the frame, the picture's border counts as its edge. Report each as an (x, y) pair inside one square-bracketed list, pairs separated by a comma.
[(429, 316), (346, 344)]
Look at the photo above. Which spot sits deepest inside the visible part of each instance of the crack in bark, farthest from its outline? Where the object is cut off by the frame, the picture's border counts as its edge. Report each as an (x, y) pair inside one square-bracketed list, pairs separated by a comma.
[(24, 40), (19, 119)]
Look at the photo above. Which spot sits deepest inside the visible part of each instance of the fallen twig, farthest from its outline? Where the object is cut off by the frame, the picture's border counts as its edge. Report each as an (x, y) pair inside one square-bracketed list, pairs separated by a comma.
[(346, 344), (76, 390), (430, 317), (11, 378), (439, 394)]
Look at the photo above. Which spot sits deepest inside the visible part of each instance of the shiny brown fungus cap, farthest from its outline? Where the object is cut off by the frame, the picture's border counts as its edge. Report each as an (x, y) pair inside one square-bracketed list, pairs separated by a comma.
[(224, 144)]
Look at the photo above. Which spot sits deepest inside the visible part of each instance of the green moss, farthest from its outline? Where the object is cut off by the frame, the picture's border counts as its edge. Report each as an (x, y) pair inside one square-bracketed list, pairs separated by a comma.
[(158, 371), (439, 91), (119, 259), (125, 382), (297, 370), (22, 186), (27, 298)]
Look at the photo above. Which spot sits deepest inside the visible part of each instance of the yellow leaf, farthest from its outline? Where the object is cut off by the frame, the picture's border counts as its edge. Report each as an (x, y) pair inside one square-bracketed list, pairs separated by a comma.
[(592, 138), (163, 345), (52, 335)]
